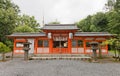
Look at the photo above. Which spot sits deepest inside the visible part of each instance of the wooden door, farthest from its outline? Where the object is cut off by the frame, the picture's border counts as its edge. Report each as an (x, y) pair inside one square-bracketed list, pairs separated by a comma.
[(60, 44)]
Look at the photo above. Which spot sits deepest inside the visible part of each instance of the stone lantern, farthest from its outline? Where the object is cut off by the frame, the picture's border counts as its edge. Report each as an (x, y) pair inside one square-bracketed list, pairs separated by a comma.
[(118, 48), (26, 49), (94, 47)]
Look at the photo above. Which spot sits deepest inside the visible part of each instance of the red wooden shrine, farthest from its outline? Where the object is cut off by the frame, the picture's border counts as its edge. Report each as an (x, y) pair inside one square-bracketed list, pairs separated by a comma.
[(59, 39)]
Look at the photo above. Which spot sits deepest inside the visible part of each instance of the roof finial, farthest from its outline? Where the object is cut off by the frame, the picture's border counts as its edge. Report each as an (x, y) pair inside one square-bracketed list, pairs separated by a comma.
[(43, 18)]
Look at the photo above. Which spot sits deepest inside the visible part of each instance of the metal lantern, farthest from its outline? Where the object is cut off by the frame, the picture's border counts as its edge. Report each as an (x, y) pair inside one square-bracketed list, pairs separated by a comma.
[(118, 48), (70, 35)]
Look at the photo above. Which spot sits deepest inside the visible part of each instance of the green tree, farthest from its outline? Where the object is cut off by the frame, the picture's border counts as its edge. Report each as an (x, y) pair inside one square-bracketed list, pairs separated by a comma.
[(117, 6), (113, 22), (85, 24), (54, 22), (24, 28), (93, 28), (94, 23), (29, 21), (4, 49), (8, 15), (110, 5), (114, 18), (100, 21)]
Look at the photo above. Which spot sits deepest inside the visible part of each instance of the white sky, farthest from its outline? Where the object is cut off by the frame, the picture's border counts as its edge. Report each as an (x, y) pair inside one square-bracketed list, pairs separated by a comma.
[(65, 11)]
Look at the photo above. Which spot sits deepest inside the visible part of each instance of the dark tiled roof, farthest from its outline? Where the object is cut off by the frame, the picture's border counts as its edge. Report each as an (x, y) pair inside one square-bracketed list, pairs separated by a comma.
[(92, 34), (60, 27), (26, 35)]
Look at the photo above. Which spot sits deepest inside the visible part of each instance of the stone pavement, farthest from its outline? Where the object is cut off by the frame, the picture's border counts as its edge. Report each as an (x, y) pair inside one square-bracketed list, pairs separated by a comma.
[(18, 67)]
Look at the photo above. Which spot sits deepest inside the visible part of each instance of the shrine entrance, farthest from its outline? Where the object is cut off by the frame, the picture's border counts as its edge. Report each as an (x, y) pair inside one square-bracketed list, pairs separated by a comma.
[(60, 43)]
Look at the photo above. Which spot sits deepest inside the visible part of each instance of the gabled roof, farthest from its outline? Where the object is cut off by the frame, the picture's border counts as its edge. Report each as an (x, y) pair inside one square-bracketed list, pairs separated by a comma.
[(27, 34), (92, 34), (60, 27)]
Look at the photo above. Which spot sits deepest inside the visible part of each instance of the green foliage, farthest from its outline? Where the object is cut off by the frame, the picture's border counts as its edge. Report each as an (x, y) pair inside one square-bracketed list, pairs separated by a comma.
[(114, 22), (9, 43), (24, 28), (103, 22), (85, 24), (29, 21), (4, 48), (110, 5), (94, 23), (100, 21), (8, 15), (9, 20), (117, 6), (55, 22)]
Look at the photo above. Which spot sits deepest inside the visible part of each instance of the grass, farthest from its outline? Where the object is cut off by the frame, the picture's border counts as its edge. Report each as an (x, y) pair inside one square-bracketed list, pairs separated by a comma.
[(113, 51)]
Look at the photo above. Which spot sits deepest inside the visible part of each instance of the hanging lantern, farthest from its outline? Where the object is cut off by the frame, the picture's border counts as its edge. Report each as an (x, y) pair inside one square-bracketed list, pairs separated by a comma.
[(70, 35), (49, 35)]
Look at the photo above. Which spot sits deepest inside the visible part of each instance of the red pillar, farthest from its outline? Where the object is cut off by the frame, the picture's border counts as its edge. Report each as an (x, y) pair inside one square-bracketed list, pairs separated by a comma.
[(14, 46), (50, 45), (35, 47), (106, 48), (69, 45), (84, 45)]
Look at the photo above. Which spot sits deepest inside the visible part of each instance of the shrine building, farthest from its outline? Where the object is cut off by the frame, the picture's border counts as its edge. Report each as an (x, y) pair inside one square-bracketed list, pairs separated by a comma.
[(59, 39)]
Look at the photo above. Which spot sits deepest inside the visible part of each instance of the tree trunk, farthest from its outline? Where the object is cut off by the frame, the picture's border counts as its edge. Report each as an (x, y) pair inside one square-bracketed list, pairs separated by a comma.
[(3, 56), (119, 55), (12, 55), (115, 54)]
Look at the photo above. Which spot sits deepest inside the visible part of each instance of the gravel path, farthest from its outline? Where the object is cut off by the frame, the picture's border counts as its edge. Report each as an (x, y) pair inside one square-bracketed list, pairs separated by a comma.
[(18, 67)]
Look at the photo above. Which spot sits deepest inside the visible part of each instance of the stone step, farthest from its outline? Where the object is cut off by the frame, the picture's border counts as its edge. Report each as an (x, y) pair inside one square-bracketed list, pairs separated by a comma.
[(54, 58), (60, 55)]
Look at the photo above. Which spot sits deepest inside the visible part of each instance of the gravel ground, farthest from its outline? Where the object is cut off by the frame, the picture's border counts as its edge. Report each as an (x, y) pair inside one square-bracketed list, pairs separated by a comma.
[(18, 67)]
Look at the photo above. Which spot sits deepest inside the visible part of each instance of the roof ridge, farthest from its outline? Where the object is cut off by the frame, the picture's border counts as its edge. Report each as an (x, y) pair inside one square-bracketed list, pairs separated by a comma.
[(92, 32), (59, 24), (27, 32)]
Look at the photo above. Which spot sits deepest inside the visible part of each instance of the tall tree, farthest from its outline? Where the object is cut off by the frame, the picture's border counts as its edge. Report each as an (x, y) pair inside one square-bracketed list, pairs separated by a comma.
[(110, 5), (94, 23), (85, 24), (117, 6), (113, 22), (29, 21), (8, 15), (22, 29), (100, 21), (114, 18)]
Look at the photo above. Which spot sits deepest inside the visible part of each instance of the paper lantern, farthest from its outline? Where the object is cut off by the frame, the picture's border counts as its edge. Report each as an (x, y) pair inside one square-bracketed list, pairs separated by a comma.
[(70, 35), (49, 35)]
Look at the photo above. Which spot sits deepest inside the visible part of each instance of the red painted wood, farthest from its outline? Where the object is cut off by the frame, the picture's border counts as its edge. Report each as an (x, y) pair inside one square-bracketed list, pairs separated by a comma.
[(69, 46), (64, 33), (35, 47), (60, 51), (84, 45), (50, 46)]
